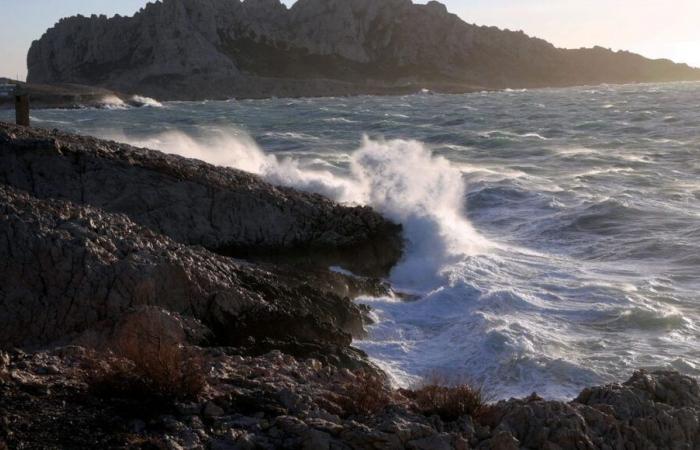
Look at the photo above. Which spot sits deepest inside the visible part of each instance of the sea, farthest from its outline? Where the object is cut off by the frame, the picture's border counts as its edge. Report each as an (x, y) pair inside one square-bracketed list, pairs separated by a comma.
[(552, 235)]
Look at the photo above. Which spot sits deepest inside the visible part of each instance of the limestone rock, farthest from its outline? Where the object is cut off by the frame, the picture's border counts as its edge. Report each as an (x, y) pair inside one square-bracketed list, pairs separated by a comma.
[(242, 407), (651, 410), (195, 49), (66, 269), (194, 203)]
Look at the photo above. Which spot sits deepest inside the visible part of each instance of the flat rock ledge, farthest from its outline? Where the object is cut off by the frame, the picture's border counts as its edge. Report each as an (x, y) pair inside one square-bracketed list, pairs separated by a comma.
[(225, 210)]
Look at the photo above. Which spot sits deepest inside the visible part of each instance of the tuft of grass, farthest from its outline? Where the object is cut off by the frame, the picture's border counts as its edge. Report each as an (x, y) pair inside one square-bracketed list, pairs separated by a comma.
[(365, 394), (148, 364), (448, 399)]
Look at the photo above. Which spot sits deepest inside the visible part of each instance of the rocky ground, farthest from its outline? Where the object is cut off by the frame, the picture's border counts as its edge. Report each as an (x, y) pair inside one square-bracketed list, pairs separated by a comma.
[(141, 307), (278, 401)]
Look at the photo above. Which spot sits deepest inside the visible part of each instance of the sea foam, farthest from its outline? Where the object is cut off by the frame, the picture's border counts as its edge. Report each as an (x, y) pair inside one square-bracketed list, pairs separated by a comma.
[(402, 179), (544, 281)]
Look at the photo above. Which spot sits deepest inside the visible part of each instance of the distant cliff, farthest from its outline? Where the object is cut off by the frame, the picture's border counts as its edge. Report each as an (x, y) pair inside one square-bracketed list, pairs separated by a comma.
[(196, 49)]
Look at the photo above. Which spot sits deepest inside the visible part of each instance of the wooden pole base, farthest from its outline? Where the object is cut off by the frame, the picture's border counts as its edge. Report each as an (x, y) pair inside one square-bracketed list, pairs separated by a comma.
[(22, 109)]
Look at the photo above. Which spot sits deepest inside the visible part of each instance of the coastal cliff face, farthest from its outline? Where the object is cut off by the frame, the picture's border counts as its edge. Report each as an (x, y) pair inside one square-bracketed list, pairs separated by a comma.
[(186, 49)]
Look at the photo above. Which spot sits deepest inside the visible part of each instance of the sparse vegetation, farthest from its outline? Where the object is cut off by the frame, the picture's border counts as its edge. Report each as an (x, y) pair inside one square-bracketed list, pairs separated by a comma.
[(366, 394), (147, 363), (449, 399)]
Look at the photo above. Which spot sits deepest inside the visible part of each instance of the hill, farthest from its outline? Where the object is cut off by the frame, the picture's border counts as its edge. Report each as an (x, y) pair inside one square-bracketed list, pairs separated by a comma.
[(186, 49)]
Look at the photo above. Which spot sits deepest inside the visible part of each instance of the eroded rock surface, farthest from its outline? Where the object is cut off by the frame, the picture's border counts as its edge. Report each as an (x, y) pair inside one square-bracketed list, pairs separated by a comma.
[(196, 49), (277, 401), (225, 210), (65, 268)]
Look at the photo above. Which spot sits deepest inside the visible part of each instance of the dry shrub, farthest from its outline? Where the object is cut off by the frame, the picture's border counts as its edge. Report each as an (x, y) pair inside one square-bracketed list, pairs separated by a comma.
[(4, 369), (366, 394), (149, 363), (448, 399)]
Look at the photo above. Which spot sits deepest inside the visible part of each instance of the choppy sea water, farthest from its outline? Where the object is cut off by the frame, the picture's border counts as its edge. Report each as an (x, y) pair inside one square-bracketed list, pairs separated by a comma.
[(553, 235)]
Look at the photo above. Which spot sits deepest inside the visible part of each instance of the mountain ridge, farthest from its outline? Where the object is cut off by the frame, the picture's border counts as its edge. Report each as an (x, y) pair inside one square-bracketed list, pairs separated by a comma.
[(216, 49)]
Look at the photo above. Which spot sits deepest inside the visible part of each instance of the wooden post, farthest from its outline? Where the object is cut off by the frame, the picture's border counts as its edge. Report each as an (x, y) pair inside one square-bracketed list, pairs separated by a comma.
[(22, 109)]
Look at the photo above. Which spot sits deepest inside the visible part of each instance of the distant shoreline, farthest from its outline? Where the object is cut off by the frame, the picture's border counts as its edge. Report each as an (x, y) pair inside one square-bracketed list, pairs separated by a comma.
[(75, 96)]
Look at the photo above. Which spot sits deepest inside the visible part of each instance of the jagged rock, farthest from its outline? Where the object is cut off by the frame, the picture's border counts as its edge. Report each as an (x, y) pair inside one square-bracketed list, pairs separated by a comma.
[(65, 269), (225, 210), (195, 49), (243, 408), (651, 410), (145, 322)]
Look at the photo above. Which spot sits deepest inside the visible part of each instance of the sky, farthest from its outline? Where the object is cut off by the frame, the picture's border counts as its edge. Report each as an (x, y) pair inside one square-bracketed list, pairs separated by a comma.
[(653, 28)]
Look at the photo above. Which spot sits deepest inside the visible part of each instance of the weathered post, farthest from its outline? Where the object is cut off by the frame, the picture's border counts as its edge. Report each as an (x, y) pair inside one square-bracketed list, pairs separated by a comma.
[(22, 108)]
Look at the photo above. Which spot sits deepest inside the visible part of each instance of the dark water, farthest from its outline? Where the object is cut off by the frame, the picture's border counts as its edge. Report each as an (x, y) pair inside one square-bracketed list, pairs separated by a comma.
[(554, 235)]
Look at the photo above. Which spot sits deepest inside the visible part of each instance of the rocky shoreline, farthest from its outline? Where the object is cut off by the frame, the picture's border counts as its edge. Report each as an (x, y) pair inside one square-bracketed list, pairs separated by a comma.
[(151, 301)]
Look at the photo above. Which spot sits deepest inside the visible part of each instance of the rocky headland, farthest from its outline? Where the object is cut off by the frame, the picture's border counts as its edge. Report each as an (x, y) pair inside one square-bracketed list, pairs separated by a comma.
[(151, 301), (219, 49)]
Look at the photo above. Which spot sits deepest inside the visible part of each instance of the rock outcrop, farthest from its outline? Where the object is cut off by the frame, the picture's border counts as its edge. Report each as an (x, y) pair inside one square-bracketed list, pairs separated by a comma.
[(277, 401), (225, 210), (67, 270), (196, 49), (92, 231)]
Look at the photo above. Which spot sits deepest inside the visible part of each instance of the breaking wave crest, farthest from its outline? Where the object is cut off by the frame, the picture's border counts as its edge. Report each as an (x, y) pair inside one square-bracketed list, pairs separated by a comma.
[(481, 309), (401, 179), (535, 264)]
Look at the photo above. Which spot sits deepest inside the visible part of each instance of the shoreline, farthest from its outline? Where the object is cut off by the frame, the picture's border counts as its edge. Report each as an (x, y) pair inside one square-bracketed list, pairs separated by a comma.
[(97, 100), (96, 262)]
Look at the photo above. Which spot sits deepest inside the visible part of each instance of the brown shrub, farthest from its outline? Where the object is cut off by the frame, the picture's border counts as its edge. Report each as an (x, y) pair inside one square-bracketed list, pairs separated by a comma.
[(366, 394), (450, 400), (148, 363)]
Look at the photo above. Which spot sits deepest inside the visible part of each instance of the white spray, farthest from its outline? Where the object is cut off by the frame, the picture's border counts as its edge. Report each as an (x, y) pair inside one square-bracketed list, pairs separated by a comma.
[(401, 179)]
